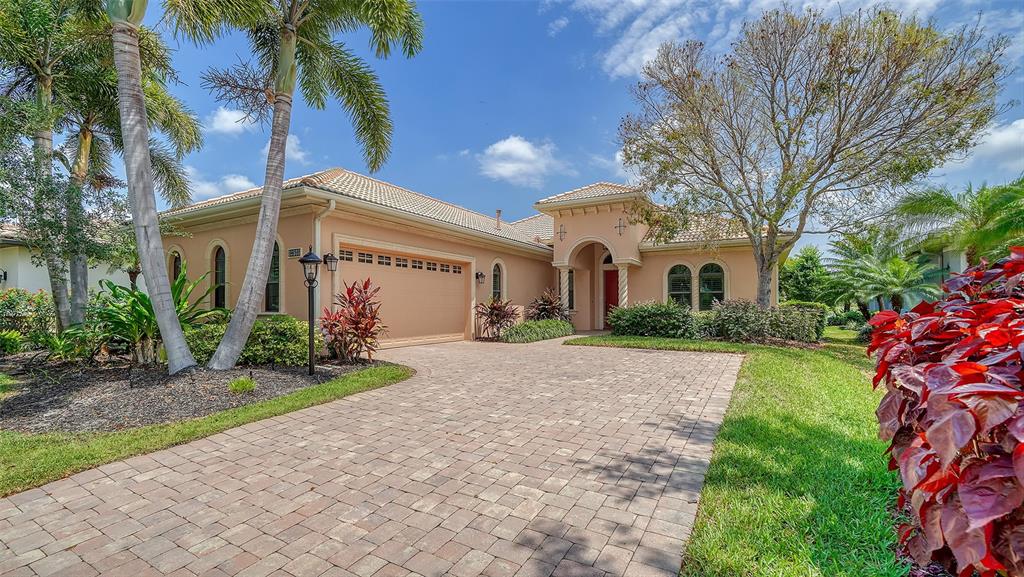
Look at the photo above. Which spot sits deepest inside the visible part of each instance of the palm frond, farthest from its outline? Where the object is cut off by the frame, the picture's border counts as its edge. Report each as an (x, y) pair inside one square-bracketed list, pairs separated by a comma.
[(358, 89), (169, 175)]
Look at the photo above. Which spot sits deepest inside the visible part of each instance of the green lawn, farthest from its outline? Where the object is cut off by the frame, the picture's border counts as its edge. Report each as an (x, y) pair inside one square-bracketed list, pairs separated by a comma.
[(31, 460), (798, 483)]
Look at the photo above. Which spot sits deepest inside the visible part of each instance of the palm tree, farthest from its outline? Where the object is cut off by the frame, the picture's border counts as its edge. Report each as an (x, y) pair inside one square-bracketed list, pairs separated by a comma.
[(896, 279), (978, 222), (199, 20), (850, 251), (92, 123), (41, 42), (295, 45)]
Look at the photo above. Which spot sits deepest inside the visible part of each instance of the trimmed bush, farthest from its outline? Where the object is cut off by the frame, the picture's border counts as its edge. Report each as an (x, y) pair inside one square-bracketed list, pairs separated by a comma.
[(744, 321), (705, 325), (274, 340), (845, 318), (864, 333), (10, 341), (952, 375), (822, 313), (531, 331), (652, 319)]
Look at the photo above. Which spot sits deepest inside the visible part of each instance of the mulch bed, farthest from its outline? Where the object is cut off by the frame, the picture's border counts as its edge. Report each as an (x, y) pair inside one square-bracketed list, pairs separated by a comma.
[(77, 397)]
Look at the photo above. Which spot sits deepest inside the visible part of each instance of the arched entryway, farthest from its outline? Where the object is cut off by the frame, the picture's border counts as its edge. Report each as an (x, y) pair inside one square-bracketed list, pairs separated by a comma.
[(591, 280)]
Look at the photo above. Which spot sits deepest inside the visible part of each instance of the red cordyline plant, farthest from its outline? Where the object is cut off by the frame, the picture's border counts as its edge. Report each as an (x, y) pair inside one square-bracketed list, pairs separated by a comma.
[(355, 328), (495, 316), (953, 411)]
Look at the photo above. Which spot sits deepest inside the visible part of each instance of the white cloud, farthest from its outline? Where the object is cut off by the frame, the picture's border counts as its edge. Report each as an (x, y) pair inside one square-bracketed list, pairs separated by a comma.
[(521, 162), (203, 188), (464, 152), (228, 121), (1001, 148), (638, 27), (612, 165), (292, 150), (556, 26)]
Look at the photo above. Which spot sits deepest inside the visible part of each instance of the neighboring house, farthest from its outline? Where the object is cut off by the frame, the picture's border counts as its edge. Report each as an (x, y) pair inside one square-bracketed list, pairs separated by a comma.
[(18, 271), (946, 263), (434, 260)]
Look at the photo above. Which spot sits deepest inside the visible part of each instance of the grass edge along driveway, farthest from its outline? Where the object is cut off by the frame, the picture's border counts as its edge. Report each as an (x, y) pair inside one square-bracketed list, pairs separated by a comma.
[(31, 460), (797, 485)]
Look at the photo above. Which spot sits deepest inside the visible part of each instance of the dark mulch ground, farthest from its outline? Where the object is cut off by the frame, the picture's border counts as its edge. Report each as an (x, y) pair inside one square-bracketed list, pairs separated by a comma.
[(77, 397)]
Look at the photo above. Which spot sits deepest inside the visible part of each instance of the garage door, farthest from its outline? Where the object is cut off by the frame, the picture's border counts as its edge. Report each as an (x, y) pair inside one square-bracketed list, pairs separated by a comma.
[(423, 299)]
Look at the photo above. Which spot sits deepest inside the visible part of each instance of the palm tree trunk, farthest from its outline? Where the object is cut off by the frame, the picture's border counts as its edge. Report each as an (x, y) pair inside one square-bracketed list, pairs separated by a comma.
[(76, 212), (42, 141), (139, 172), (897, 302), (251, 294), (864, 310)]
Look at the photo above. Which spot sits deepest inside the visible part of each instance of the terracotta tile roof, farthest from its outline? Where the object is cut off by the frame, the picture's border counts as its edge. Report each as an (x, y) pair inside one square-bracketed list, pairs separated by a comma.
[(540, 225), (364, 188), (710, 229), (596, 190)]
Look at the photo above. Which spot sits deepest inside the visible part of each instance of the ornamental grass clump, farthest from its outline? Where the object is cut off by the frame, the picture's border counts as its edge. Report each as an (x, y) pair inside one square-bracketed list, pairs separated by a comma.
[(953, 413)]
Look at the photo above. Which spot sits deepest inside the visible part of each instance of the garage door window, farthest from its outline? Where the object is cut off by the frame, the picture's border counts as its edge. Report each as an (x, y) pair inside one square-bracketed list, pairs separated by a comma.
[(417, 264), (383, 260), (365, 258), (345, 255), (432, 266)]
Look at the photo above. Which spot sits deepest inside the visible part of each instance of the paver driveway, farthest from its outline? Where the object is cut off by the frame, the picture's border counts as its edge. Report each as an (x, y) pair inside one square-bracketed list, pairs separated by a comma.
[(493, 460)]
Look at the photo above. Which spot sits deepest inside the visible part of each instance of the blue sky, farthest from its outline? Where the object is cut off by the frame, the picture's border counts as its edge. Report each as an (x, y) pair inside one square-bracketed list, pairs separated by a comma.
[(513, 101)]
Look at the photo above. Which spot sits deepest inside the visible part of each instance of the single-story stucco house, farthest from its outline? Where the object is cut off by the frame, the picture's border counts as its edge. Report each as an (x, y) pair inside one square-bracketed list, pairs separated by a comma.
[(434, 260)]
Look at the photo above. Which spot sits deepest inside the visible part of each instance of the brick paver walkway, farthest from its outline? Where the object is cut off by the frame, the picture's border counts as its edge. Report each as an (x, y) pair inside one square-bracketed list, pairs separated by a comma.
[(493, 460)]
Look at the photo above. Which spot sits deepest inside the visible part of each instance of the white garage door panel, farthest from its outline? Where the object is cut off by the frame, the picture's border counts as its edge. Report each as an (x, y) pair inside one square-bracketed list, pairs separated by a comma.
[(417, 305)]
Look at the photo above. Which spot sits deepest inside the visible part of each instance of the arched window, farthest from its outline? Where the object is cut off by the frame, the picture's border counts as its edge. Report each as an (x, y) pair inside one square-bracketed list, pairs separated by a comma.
[(220, 277), (680, 285), (607, 259), (175, 265), (496, 279), (272, 296), (712, 285)]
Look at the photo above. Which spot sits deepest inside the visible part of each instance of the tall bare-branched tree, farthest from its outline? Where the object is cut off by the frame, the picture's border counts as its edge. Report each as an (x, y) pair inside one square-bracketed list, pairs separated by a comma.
[(809, 124), (295, 45)]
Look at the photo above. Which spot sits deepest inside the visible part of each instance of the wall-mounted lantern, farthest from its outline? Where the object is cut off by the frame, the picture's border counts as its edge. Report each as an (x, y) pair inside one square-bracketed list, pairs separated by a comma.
[(620, 227), (480, 277), (561, 232)]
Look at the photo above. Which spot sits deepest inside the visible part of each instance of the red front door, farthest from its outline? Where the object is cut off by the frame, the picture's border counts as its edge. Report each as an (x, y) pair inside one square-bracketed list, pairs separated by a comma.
[(611, 290)]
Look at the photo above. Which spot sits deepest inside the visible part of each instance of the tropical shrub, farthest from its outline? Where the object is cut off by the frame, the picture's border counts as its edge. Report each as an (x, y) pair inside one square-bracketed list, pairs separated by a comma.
[(531, 331), (355, 328), (29, 313), (11, 341), (821, 311), (652, 319), (547, 306), (495, 316), (952, 410), (126, 314), (705, 325), (274, 340), (864, 332), (73, 344)]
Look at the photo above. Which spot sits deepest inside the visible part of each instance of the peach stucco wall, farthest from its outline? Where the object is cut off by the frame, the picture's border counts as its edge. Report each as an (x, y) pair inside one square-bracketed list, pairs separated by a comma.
[(649, 282), (525, 275), (597, 224)]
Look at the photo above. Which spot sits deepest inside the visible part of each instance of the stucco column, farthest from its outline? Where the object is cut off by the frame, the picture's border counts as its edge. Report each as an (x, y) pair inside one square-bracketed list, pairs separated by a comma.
[(623, 285), (563, 285)]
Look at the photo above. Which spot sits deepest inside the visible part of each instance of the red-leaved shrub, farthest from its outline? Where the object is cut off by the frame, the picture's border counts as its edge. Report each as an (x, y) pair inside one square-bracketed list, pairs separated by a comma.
[(953, 411), (495, 316), (355, 328)]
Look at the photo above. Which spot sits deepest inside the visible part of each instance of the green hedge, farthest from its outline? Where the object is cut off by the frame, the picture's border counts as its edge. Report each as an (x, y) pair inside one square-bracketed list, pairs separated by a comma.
[(652, 319), (530, 331), (822, 310), (732, 320), (274, 340)]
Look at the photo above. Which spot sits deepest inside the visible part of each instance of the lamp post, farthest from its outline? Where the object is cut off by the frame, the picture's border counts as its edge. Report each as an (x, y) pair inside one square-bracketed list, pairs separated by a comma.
[(310, 269)]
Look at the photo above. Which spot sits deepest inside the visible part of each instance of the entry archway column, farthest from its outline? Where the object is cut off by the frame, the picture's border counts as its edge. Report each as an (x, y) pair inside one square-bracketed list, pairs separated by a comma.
[(563, 285), (623, 285)]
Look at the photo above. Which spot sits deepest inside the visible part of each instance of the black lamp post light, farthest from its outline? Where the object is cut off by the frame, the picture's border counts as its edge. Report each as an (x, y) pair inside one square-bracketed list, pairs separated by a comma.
[(310, 269)]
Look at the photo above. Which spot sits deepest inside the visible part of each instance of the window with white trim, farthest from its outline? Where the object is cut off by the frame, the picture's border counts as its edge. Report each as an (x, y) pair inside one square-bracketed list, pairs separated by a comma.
[(496, 280), (712, 285), (383, 260), (345, 255), (401, 262), (365, 258), (432, 266), (417, 264)]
